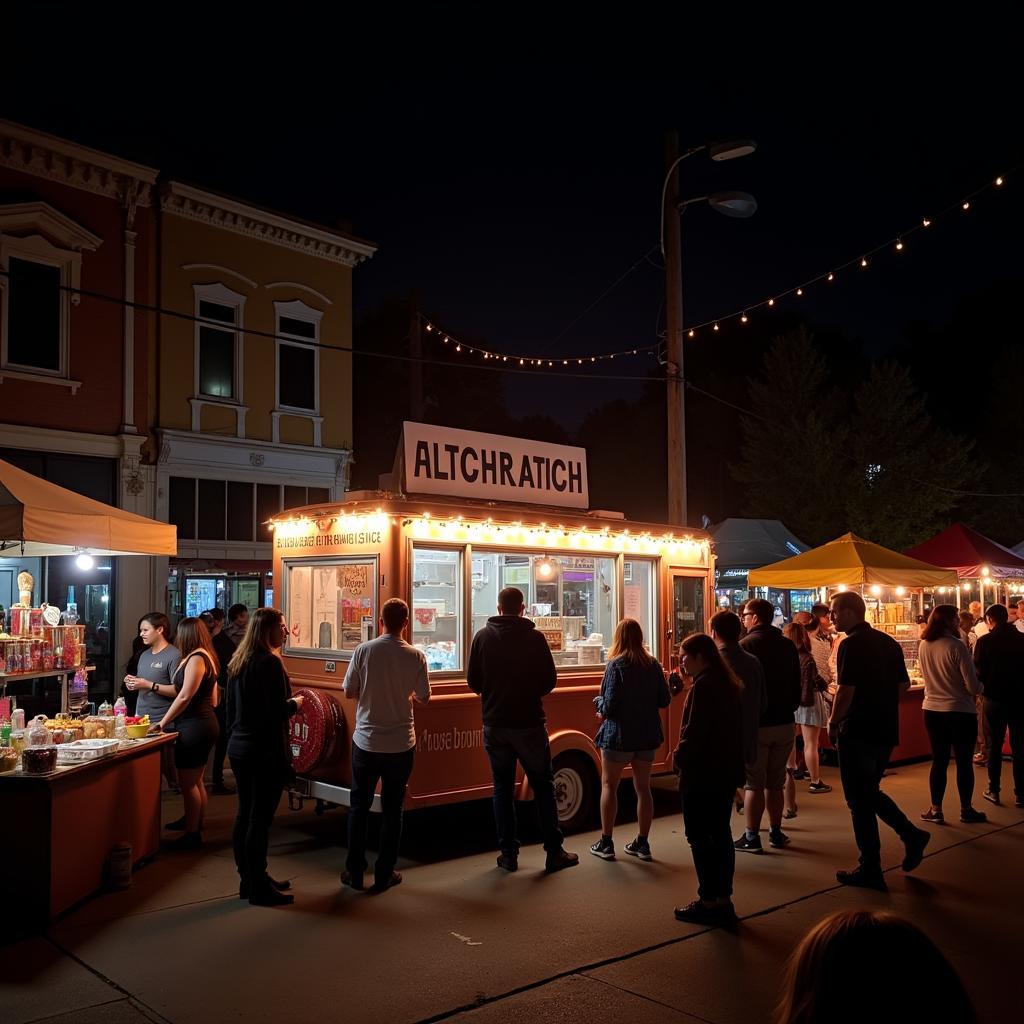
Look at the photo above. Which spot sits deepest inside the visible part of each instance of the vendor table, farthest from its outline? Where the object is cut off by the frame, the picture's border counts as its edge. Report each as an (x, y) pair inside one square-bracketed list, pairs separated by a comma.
[(60, 827), (914, 744)]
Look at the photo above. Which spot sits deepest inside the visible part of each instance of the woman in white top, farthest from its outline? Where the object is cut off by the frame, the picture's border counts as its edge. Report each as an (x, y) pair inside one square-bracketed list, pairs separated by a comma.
[(950, 716)]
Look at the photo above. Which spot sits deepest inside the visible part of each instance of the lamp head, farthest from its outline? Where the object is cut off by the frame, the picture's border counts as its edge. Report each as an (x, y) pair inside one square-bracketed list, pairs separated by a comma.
[(731, 149), (733, 204)]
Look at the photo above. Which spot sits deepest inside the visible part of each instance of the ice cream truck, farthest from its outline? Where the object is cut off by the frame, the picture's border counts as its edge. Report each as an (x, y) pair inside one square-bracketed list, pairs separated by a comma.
[(476, 513)]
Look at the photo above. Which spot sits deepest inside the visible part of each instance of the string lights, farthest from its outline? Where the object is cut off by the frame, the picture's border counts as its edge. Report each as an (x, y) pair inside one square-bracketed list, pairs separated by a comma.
[(742, 315)]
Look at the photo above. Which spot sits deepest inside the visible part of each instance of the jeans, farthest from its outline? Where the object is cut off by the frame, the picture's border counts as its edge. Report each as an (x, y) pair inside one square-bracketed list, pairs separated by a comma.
[(959, 730), (1000, 717), (221, 749), (259, 792), (707, 814), (529, 746), (392, 771), (861, 766)]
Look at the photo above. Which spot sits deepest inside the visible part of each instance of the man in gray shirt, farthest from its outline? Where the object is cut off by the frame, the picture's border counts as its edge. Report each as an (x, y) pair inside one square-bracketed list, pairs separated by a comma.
[(384, 676)]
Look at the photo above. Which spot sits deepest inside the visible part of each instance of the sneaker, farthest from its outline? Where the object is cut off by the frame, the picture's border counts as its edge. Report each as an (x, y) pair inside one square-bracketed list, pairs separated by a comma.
[(914, 847), (789, 813), (980, 760), (800, 774), (819, 787), (559, 860), (353, 879), (604, 848), (381, 884), (935, 817), (639, 848), (178, 825), (862, 879), (778, 838), (745, 845), (969, 816), (700, 913), (992, 796), (508, 862)]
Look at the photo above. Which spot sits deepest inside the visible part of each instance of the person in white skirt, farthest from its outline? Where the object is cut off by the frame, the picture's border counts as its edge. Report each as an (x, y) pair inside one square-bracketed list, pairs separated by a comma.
[(810, 715)]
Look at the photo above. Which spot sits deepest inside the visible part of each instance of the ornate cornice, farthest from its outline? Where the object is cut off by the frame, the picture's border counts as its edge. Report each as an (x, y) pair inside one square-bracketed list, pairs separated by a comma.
[(45, 156), (231, 215)]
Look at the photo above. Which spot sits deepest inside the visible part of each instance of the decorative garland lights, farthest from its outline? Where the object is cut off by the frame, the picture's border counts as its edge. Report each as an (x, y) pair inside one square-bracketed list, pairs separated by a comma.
[(458, 530), (863, 261)]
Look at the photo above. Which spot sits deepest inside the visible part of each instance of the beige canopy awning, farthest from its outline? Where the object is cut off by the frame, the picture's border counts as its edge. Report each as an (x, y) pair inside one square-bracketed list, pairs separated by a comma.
[(38, 518)]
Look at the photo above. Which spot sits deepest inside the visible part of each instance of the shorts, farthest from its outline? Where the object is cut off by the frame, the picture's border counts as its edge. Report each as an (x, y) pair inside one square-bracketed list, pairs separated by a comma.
[(774, 744), (625, 756)]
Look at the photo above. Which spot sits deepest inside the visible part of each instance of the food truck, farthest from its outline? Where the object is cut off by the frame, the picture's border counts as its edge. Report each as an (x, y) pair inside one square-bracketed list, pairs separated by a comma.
[(477, 513)]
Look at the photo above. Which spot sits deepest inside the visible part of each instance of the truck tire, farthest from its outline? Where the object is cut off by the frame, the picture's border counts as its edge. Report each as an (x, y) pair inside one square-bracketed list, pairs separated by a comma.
[(576, 791)]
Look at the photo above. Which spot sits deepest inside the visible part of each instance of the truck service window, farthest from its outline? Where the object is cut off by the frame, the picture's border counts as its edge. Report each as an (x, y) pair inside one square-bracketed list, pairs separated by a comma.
[(638, 598), (572, 599), (437, 607), (331, 605)]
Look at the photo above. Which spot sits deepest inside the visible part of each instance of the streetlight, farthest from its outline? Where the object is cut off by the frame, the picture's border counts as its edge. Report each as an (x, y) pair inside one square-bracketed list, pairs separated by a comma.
[(732, 204)]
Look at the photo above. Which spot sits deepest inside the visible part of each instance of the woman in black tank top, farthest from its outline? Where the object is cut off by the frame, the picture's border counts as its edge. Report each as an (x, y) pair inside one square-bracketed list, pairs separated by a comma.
[(193, 714)]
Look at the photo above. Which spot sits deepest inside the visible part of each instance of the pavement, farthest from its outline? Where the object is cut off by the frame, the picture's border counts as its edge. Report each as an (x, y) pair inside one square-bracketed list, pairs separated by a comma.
[(461, 940)]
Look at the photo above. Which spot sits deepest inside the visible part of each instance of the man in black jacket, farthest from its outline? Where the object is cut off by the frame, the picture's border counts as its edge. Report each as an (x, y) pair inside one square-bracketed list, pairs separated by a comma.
[(999, 657), (511, 667), (766, 777)]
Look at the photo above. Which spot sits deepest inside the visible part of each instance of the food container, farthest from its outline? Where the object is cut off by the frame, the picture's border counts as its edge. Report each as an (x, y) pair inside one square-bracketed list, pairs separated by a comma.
[(38, 760), (96, 728), (19, 740), (35, 622), (8, 759), (85, 750)]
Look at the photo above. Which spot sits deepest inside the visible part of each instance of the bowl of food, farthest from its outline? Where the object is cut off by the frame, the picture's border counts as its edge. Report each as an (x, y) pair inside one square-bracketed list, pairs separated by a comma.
[(8, 759), (137, 731), (39, 760)]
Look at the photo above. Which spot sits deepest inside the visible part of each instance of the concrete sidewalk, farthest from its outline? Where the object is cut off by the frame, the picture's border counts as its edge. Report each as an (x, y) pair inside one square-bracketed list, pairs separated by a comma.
[(460, 939)]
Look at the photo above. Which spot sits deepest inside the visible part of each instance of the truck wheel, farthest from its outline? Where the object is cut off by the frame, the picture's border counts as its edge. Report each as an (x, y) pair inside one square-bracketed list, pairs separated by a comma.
[(576, 791)]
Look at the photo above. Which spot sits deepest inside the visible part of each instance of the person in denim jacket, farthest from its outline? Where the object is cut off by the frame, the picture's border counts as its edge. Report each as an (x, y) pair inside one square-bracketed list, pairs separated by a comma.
[(632, 693)]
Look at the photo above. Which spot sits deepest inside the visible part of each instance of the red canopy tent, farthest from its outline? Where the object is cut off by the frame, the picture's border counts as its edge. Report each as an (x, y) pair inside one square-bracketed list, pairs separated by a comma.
[(966, 551)]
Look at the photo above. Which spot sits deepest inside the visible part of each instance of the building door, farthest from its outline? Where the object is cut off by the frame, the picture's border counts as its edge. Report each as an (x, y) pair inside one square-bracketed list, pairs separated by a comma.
[(687, 607)]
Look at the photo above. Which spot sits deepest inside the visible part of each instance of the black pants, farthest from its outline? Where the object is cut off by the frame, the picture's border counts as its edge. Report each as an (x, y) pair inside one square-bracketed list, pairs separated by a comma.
[(707, 816), (861, 766), (1001, 717), (259, 792), (958, 730), (221, 749), (392, 771)]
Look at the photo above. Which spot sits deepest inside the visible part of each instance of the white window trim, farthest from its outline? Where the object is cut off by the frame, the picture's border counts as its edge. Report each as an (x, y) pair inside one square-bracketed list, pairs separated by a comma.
[(224, 296), (297, 310), (36, 249)]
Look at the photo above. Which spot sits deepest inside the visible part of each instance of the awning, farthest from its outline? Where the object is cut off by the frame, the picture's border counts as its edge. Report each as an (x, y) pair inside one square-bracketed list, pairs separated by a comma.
[(968, 552), (749, 543), (38, 518), (850, 560)]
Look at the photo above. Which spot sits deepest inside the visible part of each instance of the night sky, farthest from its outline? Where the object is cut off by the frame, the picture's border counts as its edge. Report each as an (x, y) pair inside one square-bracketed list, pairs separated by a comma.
[(510, 172)]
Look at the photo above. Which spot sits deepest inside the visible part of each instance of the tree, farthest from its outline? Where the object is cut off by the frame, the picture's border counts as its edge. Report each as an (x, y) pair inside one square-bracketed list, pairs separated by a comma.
[(903, 473), (795, 426)]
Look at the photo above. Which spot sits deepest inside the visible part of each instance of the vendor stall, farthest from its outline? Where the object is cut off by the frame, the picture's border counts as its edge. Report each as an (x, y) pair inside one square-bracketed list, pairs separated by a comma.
[(71, 788), (986, 571), (745, 544), (893, 587)]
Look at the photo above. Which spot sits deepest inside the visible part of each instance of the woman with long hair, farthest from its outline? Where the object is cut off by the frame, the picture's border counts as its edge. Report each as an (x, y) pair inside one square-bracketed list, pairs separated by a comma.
[(710, 762), (260, 703), (192, 712), (151, 681), (632, 693), (854, 965), (950, 712), (810, 715)]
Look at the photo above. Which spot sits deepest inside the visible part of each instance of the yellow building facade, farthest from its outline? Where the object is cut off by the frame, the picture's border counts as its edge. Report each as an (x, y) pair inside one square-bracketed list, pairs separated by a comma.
[(251, 384)]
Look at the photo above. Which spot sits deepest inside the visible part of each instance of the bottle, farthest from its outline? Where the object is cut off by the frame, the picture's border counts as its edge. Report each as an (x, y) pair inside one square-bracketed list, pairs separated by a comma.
[(120, 727), (120, 707)]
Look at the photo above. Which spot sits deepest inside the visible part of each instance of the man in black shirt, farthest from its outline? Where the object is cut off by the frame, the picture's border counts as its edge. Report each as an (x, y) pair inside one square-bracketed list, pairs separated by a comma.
[(999, 657), (865, 727), (224, 648)]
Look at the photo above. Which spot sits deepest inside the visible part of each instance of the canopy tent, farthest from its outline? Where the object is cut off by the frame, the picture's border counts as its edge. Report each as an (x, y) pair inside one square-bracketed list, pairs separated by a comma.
[(968, 552), (1019, 549), (38, 518), (750, 543), (851, 561)]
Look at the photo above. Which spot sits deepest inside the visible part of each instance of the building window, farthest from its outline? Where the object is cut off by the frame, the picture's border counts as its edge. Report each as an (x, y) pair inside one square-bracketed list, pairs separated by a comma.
[(181, 509), (298, 359), (33, 321), (218, 368)]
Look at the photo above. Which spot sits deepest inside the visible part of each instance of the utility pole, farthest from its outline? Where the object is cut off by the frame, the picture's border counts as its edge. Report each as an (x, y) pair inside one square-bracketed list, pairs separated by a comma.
[(674, 390), (415, 366)]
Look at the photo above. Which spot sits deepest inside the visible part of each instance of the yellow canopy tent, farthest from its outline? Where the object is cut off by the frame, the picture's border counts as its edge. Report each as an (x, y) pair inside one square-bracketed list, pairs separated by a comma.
[(38, 518), (850, 561)]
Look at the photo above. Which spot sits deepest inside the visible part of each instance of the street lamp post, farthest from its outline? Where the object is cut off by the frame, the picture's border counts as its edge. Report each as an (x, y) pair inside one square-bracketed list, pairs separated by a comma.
[(735, 204)]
